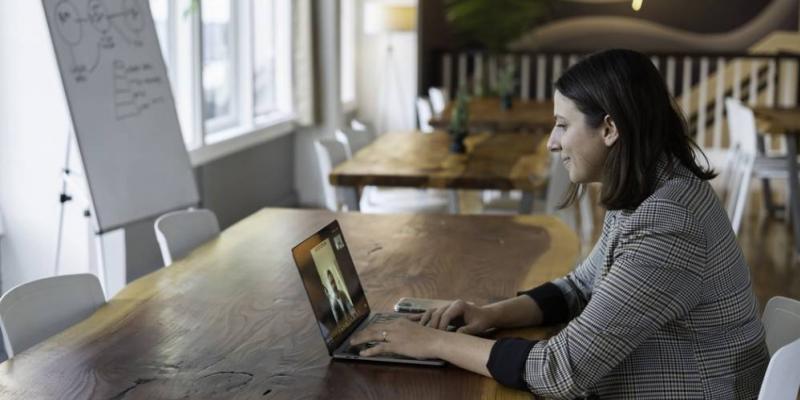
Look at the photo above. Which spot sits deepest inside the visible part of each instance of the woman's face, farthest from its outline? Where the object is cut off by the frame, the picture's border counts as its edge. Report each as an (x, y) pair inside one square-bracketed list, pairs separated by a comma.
[(583, 149)]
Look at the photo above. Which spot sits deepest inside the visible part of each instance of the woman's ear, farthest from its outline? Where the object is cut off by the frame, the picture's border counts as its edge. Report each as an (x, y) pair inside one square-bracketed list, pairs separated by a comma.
[(610, 132)]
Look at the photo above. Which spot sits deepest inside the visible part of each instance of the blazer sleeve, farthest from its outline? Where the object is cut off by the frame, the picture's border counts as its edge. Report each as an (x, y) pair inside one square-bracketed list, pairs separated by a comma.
[(655, 278)]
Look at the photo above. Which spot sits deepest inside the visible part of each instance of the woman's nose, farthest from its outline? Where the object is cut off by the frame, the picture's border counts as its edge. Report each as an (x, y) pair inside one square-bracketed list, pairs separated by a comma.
[(554, 142)]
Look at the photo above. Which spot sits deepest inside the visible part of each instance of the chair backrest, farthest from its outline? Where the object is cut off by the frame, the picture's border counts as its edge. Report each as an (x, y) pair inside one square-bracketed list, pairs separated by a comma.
[(353, 140), (358, 125), (557, 184), (781, 321), (330, 153), (741, 159), (438, 99), (782, 380), (741, 125), (424, 114), (342, 138), (180, 232), (34, 311)]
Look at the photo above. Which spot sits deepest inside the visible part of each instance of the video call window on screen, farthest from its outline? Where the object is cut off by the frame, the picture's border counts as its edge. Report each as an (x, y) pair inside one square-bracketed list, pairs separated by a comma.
[(333, 283)]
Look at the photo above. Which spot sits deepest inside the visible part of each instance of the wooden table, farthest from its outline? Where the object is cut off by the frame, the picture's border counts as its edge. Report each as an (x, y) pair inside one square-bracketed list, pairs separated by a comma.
[(232, 320), (485, 113), (414, 159), (786, 121)]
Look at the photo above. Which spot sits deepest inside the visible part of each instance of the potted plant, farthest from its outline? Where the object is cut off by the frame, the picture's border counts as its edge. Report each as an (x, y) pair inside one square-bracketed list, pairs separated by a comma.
[(505, 86), (459, 123)]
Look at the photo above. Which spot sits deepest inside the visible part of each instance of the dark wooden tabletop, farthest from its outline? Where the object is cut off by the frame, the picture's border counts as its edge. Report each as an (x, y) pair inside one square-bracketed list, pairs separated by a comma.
[(485, 113), (232, 320), (780, 120), (414, 159)]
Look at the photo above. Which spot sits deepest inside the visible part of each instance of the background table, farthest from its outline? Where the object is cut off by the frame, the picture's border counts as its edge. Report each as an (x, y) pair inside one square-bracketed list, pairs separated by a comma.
[(233, 320), (485, 113), (786, 121), (413, 159)]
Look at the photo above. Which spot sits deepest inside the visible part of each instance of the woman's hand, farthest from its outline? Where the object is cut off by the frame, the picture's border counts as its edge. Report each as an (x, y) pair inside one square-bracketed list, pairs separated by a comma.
[(400, 336), (475, 319)]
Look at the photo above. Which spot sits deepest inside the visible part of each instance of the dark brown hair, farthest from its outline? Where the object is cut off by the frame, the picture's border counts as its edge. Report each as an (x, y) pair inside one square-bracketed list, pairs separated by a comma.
[(625, 85)]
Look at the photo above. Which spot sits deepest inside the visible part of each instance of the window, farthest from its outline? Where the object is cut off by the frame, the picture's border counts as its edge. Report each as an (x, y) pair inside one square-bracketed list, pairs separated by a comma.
[(230, 65), (264, 56), (347, 38), (219, 57), (272, 56), (160, 11)]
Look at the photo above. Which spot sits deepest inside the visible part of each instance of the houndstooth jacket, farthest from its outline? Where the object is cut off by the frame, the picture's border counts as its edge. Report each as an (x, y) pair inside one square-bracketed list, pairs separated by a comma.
[(662, 308)]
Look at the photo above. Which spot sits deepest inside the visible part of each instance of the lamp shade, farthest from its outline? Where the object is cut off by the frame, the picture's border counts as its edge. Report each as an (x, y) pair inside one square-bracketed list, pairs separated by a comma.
[(384, 18)]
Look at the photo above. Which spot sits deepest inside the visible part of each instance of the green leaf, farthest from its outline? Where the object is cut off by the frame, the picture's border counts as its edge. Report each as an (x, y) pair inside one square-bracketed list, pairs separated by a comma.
[(495, 23)]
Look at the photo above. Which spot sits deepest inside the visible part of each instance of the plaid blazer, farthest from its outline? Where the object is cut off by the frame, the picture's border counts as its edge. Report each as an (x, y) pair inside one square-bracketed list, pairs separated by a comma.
[(661, 308)]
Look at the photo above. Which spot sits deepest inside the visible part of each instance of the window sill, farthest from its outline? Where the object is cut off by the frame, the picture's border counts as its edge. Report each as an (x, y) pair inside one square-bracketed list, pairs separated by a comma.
[(234, 140)]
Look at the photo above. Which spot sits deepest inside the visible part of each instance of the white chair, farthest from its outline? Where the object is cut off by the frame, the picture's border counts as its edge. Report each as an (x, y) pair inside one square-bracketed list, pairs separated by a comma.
[(34, 311), (424, 114), (741, 160), (781, 321), (358, 125), (330, 153), (374, 199), (438, 98), (180, 232), (742, 128), (354, 140), (782, 380)]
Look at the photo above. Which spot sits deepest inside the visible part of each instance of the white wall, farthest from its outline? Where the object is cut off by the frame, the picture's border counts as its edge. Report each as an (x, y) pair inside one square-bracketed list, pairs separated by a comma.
[(387, 83), (33, 134)]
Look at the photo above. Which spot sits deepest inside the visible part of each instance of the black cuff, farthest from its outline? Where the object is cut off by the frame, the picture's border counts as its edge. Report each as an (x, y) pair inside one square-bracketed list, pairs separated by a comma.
[(552, 303), (507, 361)]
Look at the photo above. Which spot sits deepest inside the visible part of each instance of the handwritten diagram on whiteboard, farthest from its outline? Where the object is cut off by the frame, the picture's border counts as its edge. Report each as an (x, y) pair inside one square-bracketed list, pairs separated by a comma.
[(104, 30), (86, 49), (122, 108)]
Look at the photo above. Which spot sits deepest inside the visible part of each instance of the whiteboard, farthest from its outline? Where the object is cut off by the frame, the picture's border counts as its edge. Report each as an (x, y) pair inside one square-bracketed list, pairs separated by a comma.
[(122, 108)]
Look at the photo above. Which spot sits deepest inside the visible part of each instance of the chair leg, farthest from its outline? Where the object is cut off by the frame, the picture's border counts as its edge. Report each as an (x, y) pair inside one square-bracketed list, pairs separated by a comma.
[(768, 200)]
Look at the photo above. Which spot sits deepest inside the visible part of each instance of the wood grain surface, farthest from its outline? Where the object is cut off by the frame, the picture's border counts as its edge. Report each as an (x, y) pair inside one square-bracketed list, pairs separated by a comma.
[(414, 159), (232, 320), (780, 120), (485, 113)]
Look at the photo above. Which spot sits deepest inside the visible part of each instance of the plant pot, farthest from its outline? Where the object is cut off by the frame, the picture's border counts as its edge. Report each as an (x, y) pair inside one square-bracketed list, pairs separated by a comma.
[(457, 143), (506, 102)]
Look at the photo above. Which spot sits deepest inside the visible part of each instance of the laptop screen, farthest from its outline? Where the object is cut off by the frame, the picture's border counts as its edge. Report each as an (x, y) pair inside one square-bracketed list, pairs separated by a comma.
[(332, 284)]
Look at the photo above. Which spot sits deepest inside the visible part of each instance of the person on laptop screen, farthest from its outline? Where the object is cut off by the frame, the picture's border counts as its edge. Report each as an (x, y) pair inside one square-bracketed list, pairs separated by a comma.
[(341, 305), (663, 306), (330, 276)]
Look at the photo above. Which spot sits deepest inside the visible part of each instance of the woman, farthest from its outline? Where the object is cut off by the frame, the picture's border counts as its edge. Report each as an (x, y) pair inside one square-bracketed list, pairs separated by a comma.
[(662, 307)]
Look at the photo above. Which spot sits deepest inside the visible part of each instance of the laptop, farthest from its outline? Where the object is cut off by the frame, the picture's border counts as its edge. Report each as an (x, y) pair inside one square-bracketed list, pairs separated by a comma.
[(337, 298)]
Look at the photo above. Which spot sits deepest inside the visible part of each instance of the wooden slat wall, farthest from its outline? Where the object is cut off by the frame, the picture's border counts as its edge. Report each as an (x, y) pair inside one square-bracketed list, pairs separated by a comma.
[(699, 82)]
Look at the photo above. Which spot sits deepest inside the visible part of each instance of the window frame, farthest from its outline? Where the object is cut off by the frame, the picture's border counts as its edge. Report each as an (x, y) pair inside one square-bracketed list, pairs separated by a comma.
[(213, 139)]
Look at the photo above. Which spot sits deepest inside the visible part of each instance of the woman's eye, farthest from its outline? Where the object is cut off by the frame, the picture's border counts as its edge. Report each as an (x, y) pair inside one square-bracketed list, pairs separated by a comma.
[(562, 126)]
